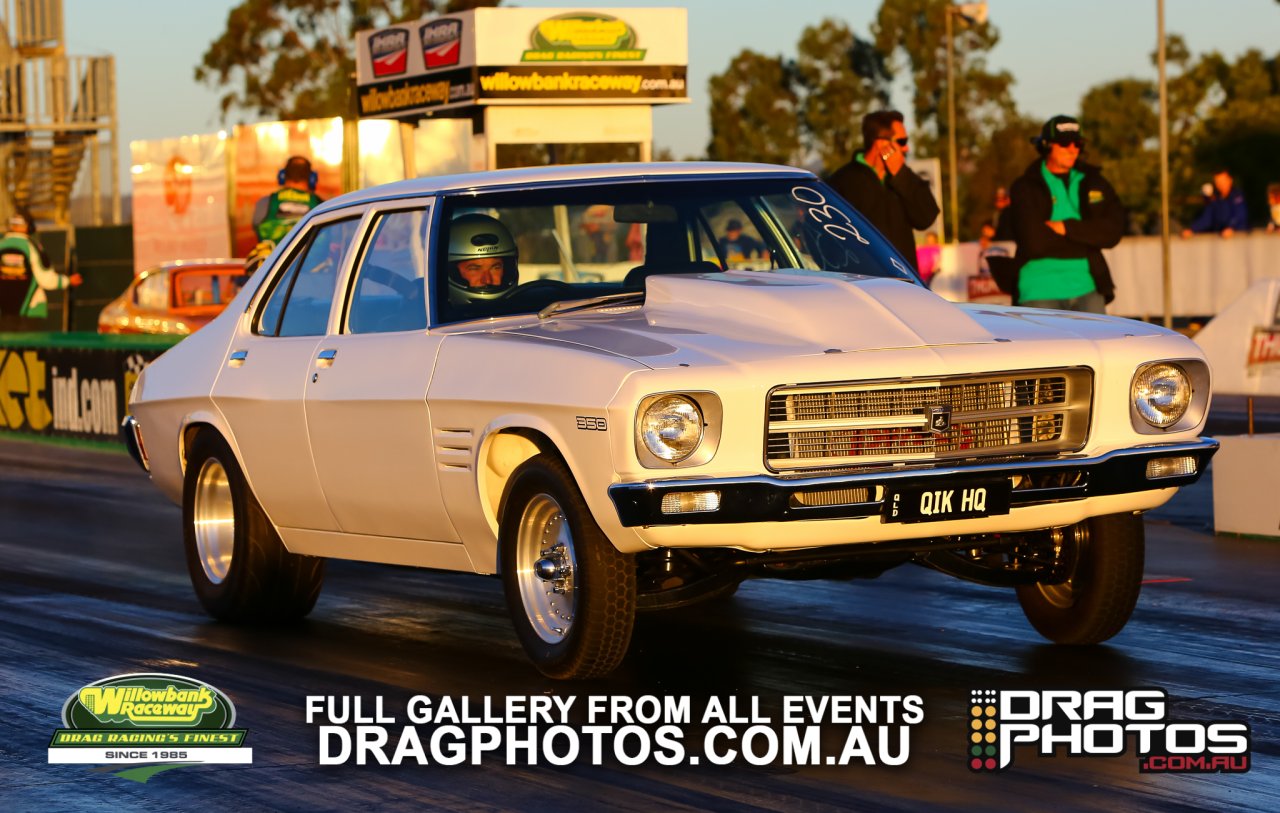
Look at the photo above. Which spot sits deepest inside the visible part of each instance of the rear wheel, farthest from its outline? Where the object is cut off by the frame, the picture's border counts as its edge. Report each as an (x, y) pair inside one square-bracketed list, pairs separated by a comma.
[(239, 568), (1104, 557), (570, 593)]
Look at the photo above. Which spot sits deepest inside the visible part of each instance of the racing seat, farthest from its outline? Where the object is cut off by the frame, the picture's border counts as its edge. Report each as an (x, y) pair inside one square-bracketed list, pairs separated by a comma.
[(666, 251)]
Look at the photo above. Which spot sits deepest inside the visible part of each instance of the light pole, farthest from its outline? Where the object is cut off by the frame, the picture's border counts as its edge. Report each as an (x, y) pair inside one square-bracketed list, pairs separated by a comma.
[(1166, 270), (969, 13)]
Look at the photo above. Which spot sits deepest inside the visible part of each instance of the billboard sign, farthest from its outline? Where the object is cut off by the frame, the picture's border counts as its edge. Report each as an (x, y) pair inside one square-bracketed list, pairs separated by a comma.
[(524, 55), (179, 199)]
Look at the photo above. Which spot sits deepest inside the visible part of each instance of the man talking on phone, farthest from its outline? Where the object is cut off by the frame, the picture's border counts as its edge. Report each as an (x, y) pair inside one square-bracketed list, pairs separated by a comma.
[(883, 188)]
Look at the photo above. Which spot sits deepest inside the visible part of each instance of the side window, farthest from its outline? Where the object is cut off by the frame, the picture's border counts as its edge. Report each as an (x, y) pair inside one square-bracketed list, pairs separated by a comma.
[(195, 288), (269, 319), (389, 292), (299, 304), (151, 293)]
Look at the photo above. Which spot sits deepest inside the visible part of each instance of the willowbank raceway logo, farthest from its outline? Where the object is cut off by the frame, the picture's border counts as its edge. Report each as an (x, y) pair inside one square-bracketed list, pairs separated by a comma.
[(1100, 724), (152, 722)]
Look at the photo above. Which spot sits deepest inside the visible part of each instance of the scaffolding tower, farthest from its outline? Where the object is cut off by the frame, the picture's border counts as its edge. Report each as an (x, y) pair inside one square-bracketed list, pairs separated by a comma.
[(57, 113)]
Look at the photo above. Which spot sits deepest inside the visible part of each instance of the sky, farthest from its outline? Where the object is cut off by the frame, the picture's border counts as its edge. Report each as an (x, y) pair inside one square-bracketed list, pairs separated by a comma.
[(1055, 49)]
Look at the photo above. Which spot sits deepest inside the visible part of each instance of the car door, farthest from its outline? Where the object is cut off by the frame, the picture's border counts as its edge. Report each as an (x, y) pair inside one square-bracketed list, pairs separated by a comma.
[(262, 384), (366, 405)]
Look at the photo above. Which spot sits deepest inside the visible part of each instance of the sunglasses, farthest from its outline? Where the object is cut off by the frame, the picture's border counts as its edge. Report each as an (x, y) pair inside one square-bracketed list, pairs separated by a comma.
[(902, 142), (1068, 141)]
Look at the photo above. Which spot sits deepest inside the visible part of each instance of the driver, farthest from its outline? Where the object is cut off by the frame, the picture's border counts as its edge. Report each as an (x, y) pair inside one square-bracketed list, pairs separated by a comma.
[(482, 259)]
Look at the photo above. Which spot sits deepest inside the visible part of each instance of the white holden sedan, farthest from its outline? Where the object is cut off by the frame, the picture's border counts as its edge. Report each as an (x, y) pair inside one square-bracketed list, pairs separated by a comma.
[(631, 387)]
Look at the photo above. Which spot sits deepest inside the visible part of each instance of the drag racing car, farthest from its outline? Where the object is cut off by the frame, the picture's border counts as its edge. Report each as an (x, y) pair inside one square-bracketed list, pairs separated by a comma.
[(630, 387)]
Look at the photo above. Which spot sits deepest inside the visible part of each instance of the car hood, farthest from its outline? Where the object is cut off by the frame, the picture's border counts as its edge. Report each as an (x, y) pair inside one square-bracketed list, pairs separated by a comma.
[(743, 316)]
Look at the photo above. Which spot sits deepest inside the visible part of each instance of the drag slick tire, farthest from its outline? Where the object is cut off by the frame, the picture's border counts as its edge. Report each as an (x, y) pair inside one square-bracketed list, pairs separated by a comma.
[(570, 593), (1105, 556), (240, 569)]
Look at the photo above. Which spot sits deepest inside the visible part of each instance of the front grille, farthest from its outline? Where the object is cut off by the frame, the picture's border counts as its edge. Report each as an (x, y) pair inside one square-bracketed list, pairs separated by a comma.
[(861, 423), (824, 497)]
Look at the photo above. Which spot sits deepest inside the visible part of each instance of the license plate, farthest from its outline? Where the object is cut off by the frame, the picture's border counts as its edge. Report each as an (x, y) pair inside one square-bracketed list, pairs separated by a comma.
[(939, 502)]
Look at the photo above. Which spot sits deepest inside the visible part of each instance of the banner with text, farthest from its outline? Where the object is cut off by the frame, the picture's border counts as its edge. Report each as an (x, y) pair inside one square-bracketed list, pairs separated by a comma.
[(510, 55), (69, 391)]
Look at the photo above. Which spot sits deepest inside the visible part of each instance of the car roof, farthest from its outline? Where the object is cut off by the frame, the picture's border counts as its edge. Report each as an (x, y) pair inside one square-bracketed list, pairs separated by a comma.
[(203, 264), (560, 174)]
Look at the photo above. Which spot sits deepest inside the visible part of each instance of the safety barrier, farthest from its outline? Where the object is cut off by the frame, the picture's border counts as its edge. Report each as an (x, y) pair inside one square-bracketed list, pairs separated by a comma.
[(1209, 273), (71, 386)]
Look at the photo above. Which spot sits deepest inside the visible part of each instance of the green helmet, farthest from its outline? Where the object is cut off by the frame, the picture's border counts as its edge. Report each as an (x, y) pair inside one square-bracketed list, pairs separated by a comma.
[(480, 237)]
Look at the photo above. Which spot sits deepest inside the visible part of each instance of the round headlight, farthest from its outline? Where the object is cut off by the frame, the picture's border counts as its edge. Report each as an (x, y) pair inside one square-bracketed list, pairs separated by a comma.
[(671, 428), (1161, 394)]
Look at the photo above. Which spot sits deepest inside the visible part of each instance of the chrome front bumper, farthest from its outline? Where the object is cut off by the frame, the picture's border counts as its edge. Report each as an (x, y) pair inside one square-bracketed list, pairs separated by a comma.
[(764, 498)]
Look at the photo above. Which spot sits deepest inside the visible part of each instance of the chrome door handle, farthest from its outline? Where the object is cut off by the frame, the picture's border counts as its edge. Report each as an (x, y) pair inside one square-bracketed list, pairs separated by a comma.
[(238, 358), (326, 357)]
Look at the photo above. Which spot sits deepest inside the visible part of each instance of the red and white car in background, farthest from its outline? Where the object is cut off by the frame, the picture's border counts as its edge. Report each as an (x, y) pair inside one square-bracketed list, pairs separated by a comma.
[(175, 298)]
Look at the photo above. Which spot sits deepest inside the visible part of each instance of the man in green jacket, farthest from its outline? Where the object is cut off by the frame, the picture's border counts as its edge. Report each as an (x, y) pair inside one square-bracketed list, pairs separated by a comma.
[(275, 214), (1064, 213), (25, 275)]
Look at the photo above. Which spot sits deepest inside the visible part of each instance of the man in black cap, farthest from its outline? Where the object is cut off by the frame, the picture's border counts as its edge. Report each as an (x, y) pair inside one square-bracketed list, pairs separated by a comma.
[(883, 188), (1064, 213), (736, 246)]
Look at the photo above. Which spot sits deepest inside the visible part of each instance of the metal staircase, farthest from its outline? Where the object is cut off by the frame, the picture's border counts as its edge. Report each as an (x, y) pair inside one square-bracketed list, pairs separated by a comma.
[(55, 111)]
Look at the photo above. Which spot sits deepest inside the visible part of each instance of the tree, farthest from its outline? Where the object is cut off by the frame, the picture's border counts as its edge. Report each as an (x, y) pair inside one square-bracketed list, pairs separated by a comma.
[(293, 59), (1005, 155), (1121, 120), (911, 33), (841, 78), (1243, 133), (1222, 114), (755, 111)]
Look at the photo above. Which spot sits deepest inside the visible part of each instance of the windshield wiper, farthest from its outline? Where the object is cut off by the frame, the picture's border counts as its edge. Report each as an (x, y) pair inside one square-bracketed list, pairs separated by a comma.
[(571, 305)]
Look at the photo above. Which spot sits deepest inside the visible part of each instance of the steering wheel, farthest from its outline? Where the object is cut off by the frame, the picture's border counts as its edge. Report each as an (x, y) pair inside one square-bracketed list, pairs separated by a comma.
[(540, 284), (538, 289)]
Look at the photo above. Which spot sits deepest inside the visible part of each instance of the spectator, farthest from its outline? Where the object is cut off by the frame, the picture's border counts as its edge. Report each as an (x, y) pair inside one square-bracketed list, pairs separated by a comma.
[(985, 236), (275, 214), (598, 232), (736, 246), (1064, 213), (635, 243), (883, 188), (1273, 207), (929, 257), (1225, 212), (1002, 224), (25, 276)]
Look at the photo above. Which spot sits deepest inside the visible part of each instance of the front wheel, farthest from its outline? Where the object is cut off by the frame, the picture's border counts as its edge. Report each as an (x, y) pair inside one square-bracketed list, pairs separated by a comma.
[(570, 593), (239, 568), (1104, 577)]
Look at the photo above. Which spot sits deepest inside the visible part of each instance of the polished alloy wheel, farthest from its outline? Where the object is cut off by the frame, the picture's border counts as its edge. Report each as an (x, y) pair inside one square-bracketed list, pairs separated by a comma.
[(214, 519), (1059, 595), (546, 568)]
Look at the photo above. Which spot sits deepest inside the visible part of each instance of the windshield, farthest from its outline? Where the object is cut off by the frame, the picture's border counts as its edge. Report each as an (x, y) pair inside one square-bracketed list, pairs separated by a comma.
[(516, 252)]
